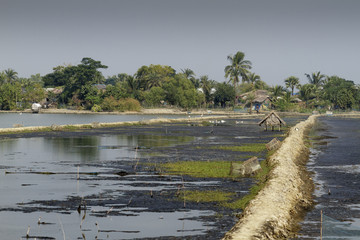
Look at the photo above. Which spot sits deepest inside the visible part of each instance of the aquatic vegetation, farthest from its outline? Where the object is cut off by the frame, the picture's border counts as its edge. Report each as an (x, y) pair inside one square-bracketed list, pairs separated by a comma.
[(261, 178), (206, 196), (226, 199), (250, 147), (213, 169)]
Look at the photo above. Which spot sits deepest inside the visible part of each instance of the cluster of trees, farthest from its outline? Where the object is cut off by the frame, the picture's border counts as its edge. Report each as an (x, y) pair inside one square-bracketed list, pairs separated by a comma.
[(19, 93), (321, 91), (84, 87)]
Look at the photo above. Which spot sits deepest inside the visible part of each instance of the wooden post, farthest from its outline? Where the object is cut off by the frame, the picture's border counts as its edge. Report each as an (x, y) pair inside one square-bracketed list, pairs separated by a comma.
[(321, 220)]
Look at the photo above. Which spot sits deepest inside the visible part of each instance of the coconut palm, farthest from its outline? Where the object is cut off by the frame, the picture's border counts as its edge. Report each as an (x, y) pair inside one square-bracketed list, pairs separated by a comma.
[(253, 78), (11, 75), (206, 84), (292, 82), (239, 67), (277, 91), (188, 73), (316, 78)]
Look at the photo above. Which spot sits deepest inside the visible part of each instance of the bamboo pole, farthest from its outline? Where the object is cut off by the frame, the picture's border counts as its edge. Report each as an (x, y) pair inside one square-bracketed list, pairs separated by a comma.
[(321, 220)]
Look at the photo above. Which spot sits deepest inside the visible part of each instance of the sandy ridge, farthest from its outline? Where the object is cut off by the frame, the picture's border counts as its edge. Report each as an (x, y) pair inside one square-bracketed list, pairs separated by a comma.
[(270, 215)]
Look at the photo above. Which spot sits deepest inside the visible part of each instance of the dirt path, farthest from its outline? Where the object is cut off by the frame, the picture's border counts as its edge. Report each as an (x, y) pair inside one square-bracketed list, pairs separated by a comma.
[(272, 214)]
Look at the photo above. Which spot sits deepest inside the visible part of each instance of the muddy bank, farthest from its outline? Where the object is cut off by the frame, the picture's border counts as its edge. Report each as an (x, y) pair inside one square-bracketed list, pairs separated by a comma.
[(271, 215)]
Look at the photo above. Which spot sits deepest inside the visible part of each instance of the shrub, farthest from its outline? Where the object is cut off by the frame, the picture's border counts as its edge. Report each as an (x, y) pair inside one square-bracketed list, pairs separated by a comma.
[(96, 108), (128, 104)]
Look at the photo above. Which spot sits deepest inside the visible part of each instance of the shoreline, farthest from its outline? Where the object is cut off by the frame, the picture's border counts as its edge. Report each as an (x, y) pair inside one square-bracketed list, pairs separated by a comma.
[(275, 211), (157, 111)]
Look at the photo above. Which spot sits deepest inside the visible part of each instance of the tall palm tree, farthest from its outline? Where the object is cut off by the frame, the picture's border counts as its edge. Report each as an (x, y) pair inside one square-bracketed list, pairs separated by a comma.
[(11, 75), (316, 78), (292, 82), (239, 67)]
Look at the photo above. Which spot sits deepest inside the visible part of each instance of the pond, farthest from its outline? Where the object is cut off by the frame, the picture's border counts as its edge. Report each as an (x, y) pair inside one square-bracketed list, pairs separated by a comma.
[(102, 182)]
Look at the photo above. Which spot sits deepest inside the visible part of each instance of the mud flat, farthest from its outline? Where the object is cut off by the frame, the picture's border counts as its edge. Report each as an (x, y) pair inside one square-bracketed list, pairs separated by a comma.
[(274, 213)]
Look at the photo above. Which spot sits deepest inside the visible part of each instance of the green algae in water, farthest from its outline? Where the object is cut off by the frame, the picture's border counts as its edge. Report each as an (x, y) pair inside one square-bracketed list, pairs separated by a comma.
[(206, 196), (213, 169), (251, 147)]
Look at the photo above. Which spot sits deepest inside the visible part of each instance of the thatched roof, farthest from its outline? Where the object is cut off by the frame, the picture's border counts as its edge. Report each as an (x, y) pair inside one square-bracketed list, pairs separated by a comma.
[(260, 96), (272, 119)]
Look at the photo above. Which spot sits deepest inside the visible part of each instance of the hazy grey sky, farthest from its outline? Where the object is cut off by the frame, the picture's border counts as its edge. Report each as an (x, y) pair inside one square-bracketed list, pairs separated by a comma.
[(280, 37)]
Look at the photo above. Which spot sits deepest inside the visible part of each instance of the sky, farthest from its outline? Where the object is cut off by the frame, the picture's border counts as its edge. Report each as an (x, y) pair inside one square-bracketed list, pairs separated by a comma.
[(281, 38)]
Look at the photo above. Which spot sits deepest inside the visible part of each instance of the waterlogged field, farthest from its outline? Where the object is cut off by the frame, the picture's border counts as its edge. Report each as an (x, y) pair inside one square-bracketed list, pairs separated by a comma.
[(335, 164), (127, 182)]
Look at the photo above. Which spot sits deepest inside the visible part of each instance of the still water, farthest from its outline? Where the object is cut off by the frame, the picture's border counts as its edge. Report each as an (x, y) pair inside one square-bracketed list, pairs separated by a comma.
[(42, 177), (8, 120), (335, 164)]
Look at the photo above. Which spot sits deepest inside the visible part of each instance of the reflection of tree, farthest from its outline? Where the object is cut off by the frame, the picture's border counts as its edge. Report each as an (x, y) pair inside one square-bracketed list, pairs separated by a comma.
[(85, 147)]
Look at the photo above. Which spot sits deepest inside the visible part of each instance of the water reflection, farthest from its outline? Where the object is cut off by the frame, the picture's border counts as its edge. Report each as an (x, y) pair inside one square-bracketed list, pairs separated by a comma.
[(37, 172)]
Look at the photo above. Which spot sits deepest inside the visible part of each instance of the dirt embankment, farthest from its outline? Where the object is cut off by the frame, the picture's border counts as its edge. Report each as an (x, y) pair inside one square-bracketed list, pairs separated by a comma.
[(275, 211)]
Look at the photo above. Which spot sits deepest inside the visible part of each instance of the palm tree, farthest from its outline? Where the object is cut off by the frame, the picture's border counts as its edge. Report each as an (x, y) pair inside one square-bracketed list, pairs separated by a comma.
[(239, 67), (11, 75), (307, 91), (277, 91), (206, 86), (292, 82), (188, 73), (316, 78), (253, 78)]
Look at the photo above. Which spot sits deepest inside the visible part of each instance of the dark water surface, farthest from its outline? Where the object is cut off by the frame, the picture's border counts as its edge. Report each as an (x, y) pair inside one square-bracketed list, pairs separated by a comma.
[(48, 175), (335, 163)]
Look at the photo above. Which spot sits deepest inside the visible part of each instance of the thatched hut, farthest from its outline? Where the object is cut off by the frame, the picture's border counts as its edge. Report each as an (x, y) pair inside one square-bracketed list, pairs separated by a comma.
[(272, 120)]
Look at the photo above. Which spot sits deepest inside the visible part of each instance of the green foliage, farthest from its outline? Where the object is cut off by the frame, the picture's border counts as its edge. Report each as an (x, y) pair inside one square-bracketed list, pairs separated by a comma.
[(284, 104), (341, 93), (154, 96), (96, 108), (224, 95), (180, 91), (292, 82), (239, 67), (154, 76), (127, 104), (251, 147), (10, 94), (206, 196), (213, 169)]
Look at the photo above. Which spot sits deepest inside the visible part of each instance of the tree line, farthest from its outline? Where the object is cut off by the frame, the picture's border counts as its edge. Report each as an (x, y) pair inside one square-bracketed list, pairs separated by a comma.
[(83, 86)]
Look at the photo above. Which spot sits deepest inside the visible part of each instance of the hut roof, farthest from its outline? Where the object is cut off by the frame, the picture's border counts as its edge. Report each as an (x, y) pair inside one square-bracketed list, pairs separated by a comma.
[(272, 119), (260, 95)]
